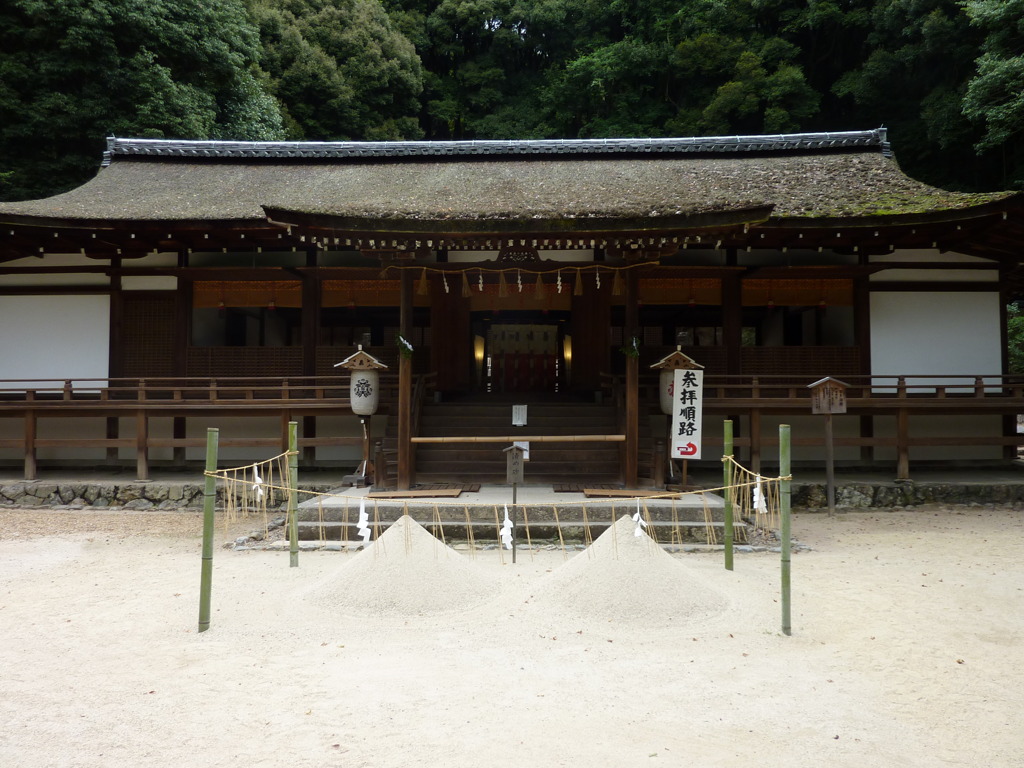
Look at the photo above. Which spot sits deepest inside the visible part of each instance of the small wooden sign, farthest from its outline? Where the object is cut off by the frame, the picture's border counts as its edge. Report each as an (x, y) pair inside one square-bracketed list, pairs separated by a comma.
[(828, 396), (514, 464)]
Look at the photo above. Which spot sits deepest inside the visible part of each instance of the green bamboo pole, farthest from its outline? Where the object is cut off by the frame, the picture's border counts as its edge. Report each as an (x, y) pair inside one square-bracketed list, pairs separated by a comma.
[(728, 524), (784, 503), (293, 482), (209, 502)]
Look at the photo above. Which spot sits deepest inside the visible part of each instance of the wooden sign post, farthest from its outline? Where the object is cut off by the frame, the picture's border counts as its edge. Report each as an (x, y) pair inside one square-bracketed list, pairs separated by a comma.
[(828, 396), (515, 457), (681, 389)]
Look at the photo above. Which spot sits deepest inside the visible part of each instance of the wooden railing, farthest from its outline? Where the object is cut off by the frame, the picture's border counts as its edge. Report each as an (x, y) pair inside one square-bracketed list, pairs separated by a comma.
[(753, 397), (182, 393), (179, 399), (897, 396), (862, 392)]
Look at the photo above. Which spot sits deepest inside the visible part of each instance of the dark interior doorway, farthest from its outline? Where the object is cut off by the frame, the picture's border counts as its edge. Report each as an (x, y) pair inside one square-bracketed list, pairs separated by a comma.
[(521, 352)]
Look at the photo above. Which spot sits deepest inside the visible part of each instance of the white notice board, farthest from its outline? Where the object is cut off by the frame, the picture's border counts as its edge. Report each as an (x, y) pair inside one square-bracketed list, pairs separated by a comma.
[(687, 409)]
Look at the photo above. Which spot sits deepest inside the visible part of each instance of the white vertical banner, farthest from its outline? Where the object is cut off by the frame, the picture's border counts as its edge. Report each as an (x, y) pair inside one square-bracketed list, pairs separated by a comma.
[(688, 404)]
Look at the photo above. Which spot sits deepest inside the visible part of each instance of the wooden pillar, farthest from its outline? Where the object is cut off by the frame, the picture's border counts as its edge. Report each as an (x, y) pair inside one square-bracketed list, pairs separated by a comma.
[(451, 350), (405, 458), (1009, 421), (309, 430), (631, 329), (30, 445), (591, 351), (182, 341), (862, 338), (115, 338), (732, 323), (141, 445), (180, 431), (902, 449), (311, 309), (113, 433), (755, 439), (182, 327), (286, 417)]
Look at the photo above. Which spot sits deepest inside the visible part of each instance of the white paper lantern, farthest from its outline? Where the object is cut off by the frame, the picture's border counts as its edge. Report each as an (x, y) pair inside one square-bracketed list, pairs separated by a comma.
[(364, 392), (665, 389), (364, 386)]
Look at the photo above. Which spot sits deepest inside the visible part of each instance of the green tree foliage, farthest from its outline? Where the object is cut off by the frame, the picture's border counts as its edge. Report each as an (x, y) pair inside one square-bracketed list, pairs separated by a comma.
[(945, 76), (1015, 336), (995, 95), (340, 69), (75, 71), (920, 54)]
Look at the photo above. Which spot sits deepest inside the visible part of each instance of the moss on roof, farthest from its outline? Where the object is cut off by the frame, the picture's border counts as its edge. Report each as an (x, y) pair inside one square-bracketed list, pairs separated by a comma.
[(813, 186)]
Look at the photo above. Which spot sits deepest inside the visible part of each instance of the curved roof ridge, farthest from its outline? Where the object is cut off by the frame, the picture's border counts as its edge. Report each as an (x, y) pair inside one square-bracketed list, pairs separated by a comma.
[(222, 149)]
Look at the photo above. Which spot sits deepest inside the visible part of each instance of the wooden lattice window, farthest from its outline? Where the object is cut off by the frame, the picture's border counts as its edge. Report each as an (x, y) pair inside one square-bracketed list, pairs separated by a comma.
[(147, 333)]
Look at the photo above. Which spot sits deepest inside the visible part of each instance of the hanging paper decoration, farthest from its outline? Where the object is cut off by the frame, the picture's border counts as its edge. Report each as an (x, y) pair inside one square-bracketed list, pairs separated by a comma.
[(444, 279), (759, 503), (559, 281), (506, 530), (597, 278), (257, 484), (519, 280), (363, 527), (641, 524), (404, 347), (480, 280)]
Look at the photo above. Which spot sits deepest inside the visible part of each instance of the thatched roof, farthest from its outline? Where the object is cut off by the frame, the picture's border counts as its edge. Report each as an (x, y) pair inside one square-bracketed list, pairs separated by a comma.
[(805, 176)]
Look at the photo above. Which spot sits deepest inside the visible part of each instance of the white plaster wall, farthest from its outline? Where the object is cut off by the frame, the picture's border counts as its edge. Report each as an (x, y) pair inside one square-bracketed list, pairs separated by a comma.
[(51, 279), (925, 335), (54, 337), (934, 275), (935, 333)]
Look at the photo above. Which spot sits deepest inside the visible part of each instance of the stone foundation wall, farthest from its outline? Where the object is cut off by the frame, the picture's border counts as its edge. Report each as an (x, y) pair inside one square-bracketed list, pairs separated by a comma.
[(183, 495), (129, 495)]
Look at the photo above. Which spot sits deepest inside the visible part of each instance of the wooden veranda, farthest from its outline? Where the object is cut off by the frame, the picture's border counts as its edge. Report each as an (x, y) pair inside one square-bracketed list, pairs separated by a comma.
[(750, 400)]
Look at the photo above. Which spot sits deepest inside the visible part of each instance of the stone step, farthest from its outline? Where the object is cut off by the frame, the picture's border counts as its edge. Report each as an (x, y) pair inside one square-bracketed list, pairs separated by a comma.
[(487, 530)]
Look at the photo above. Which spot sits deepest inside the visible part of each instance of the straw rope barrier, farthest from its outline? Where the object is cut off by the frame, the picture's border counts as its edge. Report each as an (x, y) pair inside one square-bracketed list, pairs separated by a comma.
[(262, 487)]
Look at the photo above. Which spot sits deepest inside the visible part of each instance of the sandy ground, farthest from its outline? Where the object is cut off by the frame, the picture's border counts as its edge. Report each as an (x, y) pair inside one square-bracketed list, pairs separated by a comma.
[(906, 650)]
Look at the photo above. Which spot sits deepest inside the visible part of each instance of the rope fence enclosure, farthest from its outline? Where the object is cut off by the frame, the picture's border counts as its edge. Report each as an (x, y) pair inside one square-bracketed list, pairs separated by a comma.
[(262, 488)]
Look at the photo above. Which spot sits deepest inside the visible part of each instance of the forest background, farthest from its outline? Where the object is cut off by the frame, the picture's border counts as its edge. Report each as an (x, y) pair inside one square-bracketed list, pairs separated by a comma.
[(946, 77)]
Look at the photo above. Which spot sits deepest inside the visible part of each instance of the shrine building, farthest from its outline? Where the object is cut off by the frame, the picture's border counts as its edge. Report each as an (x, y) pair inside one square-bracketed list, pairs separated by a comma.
[(217, 283)]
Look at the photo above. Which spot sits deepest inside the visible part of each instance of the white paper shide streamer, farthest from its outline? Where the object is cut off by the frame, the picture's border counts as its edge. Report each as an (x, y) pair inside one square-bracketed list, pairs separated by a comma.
[(257, 484), (506, 530), (364, 522), (760, 506), (641, 524)]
